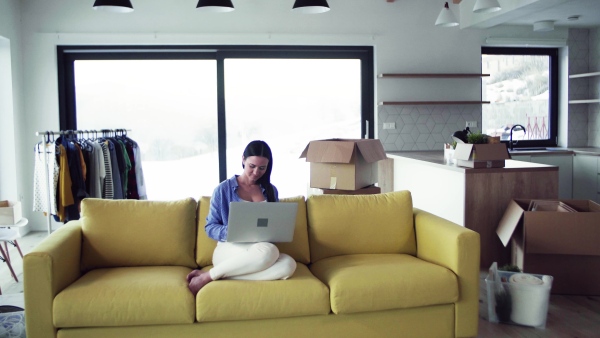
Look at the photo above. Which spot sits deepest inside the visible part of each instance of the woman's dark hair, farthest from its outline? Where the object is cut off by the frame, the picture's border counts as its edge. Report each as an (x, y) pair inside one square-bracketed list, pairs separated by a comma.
[(261, 148)]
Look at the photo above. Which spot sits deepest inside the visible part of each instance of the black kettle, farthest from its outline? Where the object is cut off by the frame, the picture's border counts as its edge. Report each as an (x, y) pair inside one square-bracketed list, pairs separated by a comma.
[(461, 136)]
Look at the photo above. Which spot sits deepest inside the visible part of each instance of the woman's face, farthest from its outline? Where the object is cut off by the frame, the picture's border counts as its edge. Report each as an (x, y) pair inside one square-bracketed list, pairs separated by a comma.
[(255, 167)]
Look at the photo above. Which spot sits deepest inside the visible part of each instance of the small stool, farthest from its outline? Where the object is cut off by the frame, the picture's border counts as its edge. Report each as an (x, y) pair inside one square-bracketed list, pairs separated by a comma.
[(10, 235)]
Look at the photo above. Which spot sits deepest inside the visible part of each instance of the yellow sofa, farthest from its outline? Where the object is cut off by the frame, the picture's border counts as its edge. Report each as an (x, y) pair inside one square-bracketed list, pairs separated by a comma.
[(368, 266)]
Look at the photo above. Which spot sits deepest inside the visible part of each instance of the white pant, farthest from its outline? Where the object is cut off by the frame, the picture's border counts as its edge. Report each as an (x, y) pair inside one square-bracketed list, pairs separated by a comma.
[(251, 261)]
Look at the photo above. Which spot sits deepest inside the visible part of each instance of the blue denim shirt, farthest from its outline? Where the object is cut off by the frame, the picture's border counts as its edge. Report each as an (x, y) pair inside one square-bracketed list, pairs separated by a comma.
[(218, 215)]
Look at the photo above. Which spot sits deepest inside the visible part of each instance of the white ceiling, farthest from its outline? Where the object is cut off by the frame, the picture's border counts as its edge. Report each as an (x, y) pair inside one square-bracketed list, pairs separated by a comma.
[(554, 10), (587, 10)]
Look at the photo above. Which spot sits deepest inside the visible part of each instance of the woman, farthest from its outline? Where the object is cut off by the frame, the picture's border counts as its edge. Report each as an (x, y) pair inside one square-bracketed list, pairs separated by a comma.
[(247, 261)]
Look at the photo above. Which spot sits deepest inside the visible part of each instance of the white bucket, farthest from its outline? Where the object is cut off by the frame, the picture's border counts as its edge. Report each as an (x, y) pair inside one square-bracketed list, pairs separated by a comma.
[(530, 296)]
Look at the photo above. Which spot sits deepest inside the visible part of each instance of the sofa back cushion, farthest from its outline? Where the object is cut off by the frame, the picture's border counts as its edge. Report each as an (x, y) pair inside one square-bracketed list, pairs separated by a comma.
[(297, 249), (360, 224), (205, 246), (119, 233)]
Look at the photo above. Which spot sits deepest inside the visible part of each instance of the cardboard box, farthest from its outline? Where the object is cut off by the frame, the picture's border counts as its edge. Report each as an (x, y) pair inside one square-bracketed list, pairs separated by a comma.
[(10, 212), (558, 243), (481, 155), (343, 164), (363, 191)]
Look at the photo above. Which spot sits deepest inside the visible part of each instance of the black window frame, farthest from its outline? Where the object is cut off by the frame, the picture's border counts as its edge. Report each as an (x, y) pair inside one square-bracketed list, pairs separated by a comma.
[(553, 93), (68, 54)]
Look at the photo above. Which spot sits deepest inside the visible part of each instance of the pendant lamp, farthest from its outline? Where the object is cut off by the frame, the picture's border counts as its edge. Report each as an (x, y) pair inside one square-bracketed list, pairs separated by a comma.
[(215, 6), (486, 6), (446, 18), (310, 6), (116, 6)]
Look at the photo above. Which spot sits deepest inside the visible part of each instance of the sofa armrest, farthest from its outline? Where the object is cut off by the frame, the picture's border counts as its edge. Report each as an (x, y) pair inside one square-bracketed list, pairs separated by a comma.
[(52, 266), (455, 247)]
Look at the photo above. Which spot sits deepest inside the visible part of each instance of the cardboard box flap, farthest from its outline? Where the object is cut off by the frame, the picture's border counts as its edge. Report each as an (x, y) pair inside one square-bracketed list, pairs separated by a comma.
[(343, 150), (490, 152), (509, 222), (329, 151), (463, 151), (371, 150)]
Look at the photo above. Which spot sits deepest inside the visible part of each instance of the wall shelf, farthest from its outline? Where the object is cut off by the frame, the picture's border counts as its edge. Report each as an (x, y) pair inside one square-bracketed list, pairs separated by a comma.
[(395, 103), (431, 76), (575, 76), (440, 75), (584, 101), (580, 76)]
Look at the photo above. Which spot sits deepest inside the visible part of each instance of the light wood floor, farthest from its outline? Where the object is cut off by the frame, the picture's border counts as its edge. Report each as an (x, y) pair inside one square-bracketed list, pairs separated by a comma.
[(568, 316)]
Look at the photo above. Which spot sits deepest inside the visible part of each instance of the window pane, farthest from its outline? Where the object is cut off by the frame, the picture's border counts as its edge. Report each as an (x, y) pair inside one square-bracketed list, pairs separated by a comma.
[(287, 103), (518, 88), (170, 107)]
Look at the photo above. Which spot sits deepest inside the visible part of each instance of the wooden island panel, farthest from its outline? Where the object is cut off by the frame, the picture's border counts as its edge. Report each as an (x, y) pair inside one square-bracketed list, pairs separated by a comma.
[(487, 196)]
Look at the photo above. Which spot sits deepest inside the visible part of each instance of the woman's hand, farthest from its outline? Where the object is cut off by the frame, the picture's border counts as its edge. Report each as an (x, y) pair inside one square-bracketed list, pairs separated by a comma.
[(193, 274)]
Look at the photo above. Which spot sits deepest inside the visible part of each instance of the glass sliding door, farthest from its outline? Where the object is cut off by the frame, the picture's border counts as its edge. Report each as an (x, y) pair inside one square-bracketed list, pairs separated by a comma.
[(192, 109), (287, 103), (171, 108)]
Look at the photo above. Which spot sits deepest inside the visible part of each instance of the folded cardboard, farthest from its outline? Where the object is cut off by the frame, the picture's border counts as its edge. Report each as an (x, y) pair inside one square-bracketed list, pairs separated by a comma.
[(481, 155), (557, 243), (343, 164), (363, 191), (10, 212)]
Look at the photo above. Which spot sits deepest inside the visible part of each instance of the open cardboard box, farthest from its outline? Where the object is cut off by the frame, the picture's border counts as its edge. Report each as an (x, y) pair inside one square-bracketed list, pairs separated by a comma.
[(557, 243), (481, 155), (10, 212), (343, 164)]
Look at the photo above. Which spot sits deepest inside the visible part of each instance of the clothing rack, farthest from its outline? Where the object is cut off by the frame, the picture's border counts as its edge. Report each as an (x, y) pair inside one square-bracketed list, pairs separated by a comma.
[(45, 135)]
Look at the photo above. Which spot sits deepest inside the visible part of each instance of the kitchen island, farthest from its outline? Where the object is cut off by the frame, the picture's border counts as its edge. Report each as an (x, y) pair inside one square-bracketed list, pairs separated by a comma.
[(473, 198)]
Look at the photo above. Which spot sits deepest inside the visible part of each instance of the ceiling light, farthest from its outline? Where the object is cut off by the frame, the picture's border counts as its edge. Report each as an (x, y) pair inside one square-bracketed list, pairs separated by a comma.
[(116, 6), (310, 6), (215, 6), (446, 18), (486, 6), (543, 26)]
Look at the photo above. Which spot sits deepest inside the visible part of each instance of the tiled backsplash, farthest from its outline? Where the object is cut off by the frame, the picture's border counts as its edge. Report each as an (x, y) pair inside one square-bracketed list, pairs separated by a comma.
[(423, 127)]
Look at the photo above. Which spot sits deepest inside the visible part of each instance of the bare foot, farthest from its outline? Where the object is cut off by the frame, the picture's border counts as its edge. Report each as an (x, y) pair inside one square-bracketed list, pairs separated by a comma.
[(198, 282), (193, 274)]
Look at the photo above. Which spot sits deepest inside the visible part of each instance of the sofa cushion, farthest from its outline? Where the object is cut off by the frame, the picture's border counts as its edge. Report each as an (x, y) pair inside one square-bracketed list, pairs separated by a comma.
[(137, 233), (205, 246), (360, 224), (297, 249), (126, 297), (374, 282), (301, 295)]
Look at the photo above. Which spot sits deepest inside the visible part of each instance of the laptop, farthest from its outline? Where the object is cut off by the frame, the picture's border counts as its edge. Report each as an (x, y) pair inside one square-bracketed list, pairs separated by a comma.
[(261, 221)]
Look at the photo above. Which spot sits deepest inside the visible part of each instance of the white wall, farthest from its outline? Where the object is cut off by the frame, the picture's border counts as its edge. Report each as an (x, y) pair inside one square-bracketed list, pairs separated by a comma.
[(402, 32), (11, 114)]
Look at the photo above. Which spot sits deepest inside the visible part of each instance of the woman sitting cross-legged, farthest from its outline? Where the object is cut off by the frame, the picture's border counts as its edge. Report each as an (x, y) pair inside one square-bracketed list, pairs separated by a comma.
[(246, 261)]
